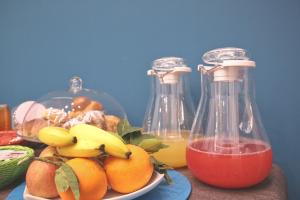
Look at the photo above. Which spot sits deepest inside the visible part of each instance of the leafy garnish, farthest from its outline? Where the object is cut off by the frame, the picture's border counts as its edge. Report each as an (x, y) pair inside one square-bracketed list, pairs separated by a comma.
[(61, 181), (65, 178), (162, 169), (133, 135), (152, 145), (125, 128)]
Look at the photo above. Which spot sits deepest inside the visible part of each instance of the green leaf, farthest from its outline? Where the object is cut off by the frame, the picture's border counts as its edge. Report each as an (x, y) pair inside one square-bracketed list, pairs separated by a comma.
[(61, 181), (162, 169), (124, 128), (133, 135), (139, 138), (65, 178), (151, 144)]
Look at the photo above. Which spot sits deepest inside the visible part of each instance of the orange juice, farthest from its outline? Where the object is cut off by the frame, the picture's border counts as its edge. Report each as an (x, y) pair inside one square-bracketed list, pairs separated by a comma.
[(174, 155)]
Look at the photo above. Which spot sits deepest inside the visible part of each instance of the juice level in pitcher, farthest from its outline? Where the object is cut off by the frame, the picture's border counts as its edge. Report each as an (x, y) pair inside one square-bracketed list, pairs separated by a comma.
[(174, 155), (226, 166)]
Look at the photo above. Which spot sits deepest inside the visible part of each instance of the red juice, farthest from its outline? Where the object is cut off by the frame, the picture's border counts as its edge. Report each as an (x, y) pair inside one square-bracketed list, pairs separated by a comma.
[(222, 164)]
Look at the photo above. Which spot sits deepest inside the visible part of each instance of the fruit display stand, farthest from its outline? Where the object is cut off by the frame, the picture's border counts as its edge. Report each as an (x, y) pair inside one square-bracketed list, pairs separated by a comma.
[(273, 188)]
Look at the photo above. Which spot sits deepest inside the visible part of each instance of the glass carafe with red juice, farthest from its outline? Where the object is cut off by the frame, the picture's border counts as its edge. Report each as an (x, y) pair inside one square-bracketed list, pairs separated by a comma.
[(228, 146)]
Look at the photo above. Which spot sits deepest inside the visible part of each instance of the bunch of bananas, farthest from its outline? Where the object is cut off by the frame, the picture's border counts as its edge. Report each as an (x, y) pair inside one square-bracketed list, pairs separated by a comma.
[(83, 140)]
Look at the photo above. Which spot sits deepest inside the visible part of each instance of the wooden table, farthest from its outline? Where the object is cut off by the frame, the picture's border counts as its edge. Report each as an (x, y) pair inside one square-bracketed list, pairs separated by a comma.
[(273, 188)]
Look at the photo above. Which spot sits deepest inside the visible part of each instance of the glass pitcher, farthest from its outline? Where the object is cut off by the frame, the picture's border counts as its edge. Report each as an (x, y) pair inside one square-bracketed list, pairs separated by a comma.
[(171, 111), (228, 146)]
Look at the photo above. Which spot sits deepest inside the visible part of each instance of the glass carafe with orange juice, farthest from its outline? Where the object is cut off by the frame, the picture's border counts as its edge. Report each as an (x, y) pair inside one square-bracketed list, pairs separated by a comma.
[(171, 111), (228, 146)]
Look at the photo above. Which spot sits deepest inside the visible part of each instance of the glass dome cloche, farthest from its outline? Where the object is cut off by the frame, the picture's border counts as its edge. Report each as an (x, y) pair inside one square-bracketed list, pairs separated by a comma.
[(66, 109)]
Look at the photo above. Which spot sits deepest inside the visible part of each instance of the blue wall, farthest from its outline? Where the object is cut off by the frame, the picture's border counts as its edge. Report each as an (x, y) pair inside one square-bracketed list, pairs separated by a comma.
[(111, 44)]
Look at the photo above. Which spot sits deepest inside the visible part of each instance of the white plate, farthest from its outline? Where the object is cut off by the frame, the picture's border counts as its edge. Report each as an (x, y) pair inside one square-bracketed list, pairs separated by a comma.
[(112, 195)]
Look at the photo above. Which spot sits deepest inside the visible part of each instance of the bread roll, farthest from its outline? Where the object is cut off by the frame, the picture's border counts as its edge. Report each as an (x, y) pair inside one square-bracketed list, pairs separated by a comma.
[(80, 103)]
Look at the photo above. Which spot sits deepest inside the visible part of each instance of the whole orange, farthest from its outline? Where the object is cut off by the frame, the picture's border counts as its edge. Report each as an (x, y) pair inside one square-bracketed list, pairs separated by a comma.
[(91, 177), (129, 175)]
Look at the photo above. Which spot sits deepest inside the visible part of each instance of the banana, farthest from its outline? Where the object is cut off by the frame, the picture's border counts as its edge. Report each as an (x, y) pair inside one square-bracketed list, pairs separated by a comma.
[(56, 136), (112, 144), (116, 135), (83, 148)]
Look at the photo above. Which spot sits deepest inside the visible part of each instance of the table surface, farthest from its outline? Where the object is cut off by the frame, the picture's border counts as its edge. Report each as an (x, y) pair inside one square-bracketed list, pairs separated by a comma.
[(273, 188)]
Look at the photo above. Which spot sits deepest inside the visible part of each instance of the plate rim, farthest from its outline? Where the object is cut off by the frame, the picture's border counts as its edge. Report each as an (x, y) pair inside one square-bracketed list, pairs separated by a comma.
[(157, 180)]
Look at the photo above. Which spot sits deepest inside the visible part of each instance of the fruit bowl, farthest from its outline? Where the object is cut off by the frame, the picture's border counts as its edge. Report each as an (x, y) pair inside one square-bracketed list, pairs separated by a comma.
[(14, 161), (66, 109), (112, 195)]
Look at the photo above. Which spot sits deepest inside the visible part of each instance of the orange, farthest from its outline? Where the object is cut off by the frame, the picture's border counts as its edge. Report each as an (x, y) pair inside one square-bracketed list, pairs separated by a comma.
[(91, 177), (129, 175)]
